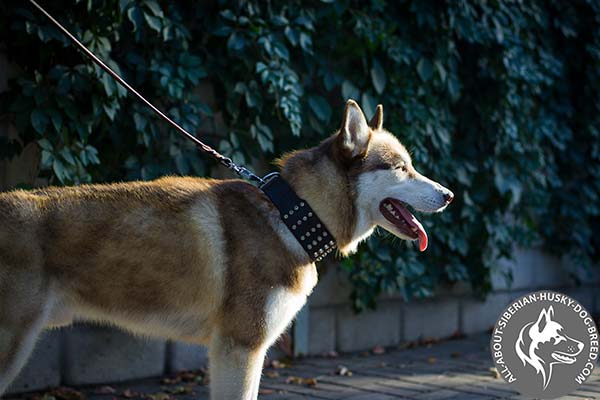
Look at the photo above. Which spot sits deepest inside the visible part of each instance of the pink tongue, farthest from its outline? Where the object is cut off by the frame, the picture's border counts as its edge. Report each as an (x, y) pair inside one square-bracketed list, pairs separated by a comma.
[(422, 240), (415, 222)]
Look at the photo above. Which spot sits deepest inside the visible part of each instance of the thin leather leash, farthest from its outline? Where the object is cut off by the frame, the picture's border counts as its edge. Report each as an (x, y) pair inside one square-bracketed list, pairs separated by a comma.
[(296, 213), (225, 161)]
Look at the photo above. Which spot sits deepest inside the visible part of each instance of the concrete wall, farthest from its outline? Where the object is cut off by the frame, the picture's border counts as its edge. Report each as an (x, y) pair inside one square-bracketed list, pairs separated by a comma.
[(332, 326), (87, 354)]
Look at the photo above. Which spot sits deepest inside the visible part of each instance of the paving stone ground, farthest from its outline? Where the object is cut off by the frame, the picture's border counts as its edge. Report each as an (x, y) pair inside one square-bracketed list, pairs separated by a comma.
[(454, 369)]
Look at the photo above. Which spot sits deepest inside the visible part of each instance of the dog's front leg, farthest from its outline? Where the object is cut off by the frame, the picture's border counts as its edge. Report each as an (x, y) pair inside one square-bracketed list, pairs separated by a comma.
[(235, 370)]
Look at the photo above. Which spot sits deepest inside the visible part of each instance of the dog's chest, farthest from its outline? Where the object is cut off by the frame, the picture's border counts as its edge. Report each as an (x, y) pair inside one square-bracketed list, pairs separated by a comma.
[(283, 303)]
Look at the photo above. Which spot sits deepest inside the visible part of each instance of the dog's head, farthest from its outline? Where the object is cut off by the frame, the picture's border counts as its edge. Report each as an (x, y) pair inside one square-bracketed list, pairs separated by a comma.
[(544, 343), (548, 340), (368, 165), (386, 180)]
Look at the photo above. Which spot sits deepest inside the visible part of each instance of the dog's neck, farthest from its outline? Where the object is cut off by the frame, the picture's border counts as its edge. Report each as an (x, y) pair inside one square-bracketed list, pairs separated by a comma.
[(316, 178)]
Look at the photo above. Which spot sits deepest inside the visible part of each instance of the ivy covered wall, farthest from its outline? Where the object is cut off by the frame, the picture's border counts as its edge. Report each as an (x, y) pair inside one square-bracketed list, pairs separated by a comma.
[(499, 101)]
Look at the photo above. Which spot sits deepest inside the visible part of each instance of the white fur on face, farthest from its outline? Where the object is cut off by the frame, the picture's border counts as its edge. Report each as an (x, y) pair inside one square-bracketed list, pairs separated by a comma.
[(421, 193), (373, 187)]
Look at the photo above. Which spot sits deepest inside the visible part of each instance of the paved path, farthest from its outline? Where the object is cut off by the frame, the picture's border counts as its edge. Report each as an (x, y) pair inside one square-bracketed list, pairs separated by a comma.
[(456, 369)]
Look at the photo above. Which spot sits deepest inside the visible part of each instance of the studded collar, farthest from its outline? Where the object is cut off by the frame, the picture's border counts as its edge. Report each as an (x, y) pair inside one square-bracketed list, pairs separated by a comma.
[(299, 217)]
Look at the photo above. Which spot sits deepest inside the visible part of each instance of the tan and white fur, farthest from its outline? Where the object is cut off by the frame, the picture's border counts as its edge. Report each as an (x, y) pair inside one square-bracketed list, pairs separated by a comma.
[(199, 260)]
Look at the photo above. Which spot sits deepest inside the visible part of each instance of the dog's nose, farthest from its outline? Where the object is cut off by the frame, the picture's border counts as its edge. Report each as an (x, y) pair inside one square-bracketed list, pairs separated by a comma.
[(448, 197)]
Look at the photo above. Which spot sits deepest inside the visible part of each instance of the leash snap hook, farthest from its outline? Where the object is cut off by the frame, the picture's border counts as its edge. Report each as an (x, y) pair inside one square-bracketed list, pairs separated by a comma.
[(228, 163), (247, 174)]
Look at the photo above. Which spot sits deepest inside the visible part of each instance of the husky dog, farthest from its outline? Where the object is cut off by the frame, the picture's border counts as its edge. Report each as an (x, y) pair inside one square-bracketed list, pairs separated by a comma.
[(200, 260), (543, 344)]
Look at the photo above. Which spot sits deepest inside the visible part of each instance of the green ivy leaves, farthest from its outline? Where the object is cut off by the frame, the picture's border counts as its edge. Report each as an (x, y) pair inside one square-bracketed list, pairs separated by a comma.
[(39, 121), (425, 69), (498, 102), (378, 77), (320, 107)]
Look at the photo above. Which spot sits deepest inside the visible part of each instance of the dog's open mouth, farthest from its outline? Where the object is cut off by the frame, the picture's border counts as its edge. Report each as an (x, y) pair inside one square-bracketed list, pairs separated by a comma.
[(563, 358), (396, 212)]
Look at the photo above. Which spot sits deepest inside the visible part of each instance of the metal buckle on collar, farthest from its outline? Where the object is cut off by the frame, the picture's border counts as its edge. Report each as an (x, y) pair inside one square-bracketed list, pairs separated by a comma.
[(299, 217)]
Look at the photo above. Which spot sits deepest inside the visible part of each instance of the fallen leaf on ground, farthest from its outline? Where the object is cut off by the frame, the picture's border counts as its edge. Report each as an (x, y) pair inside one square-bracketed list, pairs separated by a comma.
[(190, 376), (266, 391), (158, 396), (310, 382), (199, 377), (279, 364), (129, 394), (42, 396), (432, 360), (65, 393), (297, 380), (378, 350), (429, 341), (343, 371), (457, 335), (272, 374), (180, 390), (495, 372), (106, 390)]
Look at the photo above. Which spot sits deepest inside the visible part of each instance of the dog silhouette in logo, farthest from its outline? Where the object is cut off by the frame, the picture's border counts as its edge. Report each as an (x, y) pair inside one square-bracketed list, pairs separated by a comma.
[(544, 343)]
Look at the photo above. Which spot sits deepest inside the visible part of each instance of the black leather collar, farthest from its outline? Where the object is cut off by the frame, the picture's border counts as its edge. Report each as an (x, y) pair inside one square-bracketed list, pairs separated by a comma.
[(299, 217)]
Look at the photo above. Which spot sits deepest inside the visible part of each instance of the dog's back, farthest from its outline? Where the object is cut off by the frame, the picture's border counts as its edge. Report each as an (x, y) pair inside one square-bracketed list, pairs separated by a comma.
[(145, 255), (128, 249)]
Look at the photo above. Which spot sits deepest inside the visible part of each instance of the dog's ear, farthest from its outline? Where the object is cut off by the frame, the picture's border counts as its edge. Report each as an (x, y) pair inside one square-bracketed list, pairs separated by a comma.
[(377, 121), (355, 134), (544, 318)]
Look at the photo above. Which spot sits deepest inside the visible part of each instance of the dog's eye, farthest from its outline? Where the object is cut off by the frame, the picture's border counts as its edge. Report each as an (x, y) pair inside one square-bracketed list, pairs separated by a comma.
[(384, 166), (557, 339), (402, 166)]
